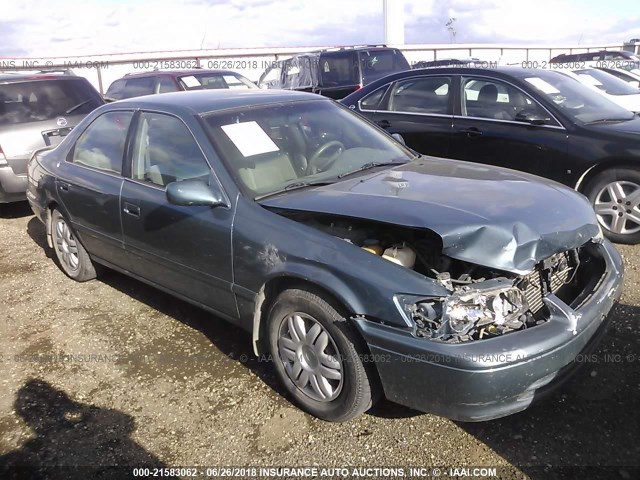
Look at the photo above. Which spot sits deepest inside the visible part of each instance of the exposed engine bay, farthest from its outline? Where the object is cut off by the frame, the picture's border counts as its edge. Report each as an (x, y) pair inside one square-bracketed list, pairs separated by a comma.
[(484, 302)]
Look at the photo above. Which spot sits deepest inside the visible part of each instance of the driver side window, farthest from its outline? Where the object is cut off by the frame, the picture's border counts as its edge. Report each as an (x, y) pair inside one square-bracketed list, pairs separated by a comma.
[(493, 99), (164, 151)]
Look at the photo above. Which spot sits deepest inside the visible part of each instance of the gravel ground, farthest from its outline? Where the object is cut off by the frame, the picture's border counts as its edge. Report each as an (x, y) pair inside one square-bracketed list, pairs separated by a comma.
[(113, 372)]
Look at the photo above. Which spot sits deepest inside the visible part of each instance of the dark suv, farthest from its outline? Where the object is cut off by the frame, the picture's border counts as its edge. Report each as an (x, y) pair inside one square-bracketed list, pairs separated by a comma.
[(335, 73), (36, 111), (148, 83)]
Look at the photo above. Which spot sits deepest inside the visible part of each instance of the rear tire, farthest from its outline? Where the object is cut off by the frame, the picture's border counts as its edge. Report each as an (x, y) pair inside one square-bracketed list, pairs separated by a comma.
[(319, 358), (615, 196), (72, 257)]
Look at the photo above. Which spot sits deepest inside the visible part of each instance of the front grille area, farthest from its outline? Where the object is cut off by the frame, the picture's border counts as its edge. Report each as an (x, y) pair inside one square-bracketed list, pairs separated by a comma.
[(558, 269)]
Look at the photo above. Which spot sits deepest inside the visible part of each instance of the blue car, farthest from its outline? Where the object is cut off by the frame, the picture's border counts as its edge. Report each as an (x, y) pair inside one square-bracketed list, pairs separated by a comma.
[(361, 268)]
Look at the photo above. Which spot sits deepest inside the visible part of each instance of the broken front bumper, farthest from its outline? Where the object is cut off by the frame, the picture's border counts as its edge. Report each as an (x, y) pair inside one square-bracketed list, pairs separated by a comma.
[(487, 379)]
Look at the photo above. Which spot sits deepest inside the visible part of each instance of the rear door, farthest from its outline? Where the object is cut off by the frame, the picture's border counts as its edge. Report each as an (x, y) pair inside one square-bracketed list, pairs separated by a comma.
[(418, 108), (186, 249), (89, 185)]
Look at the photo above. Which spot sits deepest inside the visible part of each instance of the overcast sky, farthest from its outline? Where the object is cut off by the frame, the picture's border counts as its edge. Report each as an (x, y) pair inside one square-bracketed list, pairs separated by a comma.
[(38, 28)]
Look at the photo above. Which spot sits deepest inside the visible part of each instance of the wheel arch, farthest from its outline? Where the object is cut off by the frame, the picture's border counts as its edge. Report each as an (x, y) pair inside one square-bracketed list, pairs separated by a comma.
[(606, 164), (53, 205), (341, 298)]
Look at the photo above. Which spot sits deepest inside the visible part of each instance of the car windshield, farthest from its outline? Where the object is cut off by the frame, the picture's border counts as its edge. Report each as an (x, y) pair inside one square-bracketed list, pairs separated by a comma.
[(574, 99), (606, 82), (31, 101), (212, 81), (273, 147)]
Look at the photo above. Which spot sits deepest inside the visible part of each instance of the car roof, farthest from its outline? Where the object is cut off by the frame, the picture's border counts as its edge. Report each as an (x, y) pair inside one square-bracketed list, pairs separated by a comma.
[(340, 50), (204, 101), (20, 77), (499, 71), (175, 73)]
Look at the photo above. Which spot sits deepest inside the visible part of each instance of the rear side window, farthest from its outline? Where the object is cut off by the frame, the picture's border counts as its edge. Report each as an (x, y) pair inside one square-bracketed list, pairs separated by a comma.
[(372, 101), (421, 95), (116, 89), (339, 69), (101, 145), (166, 85), (379, 63), (138, 87), (32, 101)]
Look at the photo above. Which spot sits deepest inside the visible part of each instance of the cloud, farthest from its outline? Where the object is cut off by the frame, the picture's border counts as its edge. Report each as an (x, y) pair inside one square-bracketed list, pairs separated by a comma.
[(496, 21), (118, 26)]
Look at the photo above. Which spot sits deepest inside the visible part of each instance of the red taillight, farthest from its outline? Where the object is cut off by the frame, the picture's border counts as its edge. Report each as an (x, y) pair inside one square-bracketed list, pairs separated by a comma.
[(358, 87)]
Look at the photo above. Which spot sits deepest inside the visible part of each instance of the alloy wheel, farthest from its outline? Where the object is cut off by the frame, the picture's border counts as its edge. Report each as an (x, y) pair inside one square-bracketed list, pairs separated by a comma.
[(617, 206), (66, 245)]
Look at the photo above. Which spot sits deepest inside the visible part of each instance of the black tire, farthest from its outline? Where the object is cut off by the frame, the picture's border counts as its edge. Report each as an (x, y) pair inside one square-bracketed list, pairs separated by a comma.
[(72, 257), (624, 207), (357, 389)]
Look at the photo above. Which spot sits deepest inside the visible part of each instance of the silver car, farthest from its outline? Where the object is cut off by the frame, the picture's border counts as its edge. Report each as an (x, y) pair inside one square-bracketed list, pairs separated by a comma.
[(37, 111)]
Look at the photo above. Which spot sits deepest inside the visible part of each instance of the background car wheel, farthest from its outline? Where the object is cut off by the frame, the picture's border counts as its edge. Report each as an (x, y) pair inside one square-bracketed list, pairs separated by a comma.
[(615, 196), (72, 256), (319, 357)]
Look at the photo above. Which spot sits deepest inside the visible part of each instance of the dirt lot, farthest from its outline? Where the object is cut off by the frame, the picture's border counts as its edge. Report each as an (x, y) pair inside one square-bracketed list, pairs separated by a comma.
[(112, 372)]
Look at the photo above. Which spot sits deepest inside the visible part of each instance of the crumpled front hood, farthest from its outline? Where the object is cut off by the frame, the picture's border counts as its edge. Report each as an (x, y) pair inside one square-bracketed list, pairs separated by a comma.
[(485, 215)]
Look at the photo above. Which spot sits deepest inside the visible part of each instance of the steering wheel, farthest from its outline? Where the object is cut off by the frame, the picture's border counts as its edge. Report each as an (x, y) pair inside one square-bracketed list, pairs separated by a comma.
[(314, 165)]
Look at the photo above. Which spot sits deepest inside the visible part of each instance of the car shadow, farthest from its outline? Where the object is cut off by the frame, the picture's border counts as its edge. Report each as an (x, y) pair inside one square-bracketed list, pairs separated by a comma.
[(232, 342), (37, 232), (589, 427), (593, 419), (15, 210), (72, 439)]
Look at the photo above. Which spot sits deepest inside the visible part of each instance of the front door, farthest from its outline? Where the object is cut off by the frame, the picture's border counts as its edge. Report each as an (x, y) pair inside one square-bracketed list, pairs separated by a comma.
[(186, 249), (491, 128)]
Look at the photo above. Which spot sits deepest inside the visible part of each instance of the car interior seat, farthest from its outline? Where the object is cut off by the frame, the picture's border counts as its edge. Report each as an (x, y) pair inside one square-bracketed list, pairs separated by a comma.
[(267, 170), (488, 106)]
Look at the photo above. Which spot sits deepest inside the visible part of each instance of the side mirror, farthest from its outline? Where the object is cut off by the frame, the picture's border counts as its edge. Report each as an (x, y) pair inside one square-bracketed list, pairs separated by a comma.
[(533, 118), (399, 138), (195, 192)]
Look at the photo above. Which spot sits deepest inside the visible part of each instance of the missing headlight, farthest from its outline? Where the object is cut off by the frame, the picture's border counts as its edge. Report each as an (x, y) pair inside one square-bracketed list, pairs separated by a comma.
[(473, 312)]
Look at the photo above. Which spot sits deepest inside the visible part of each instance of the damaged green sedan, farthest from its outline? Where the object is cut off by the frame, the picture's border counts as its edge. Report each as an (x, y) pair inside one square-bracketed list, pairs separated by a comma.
[(363, 269)]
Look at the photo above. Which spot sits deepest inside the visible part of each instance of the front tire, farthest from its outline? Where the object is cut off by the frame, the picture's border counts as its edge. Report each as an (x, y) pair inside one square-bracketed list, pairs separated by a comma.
[(318, 357), (615, 196), (72, 257)]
